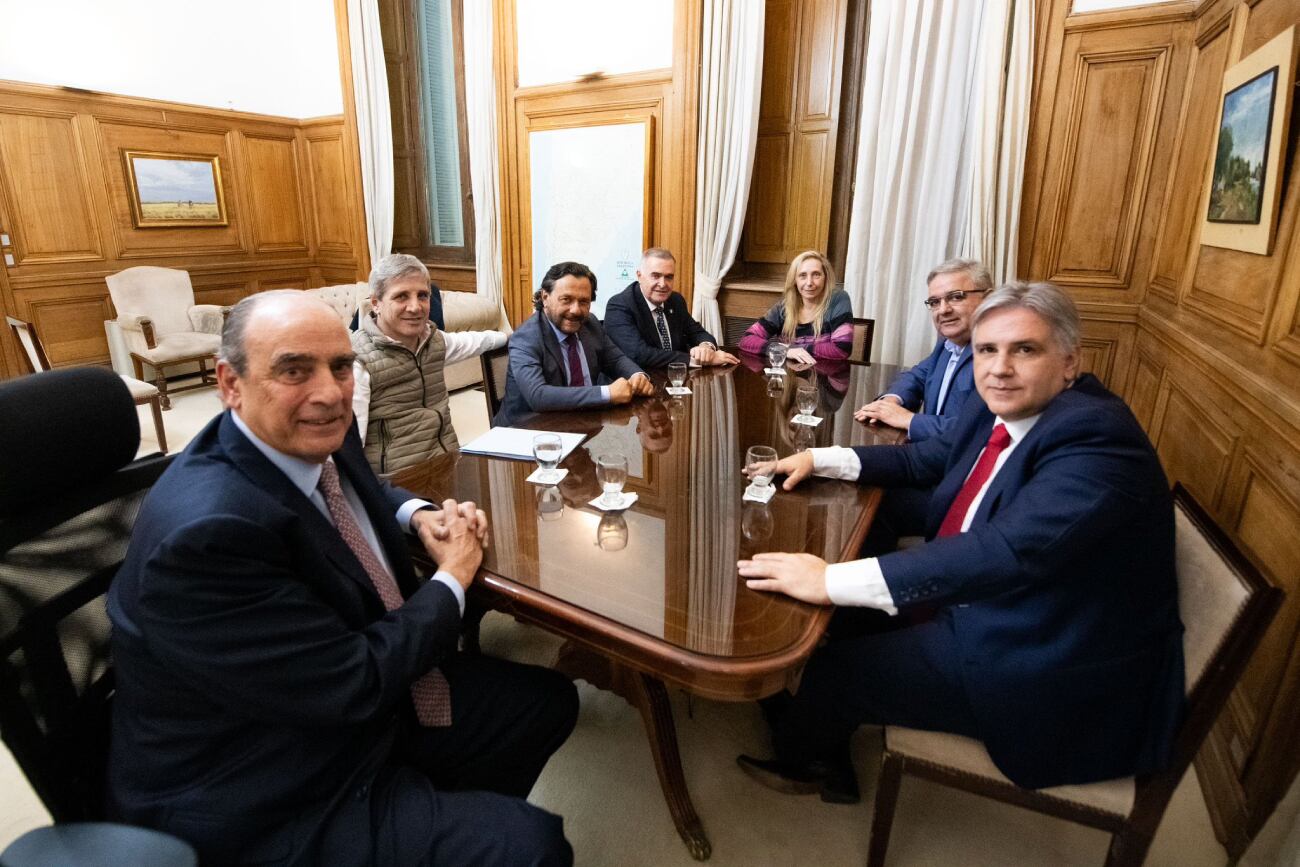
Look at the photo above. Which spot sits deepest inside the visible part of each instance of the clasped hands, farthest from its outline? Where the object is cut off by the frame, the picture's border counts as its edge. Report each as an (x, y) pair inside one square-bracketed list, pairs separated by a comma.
[(623, 390), (454, 536), (802, 576)]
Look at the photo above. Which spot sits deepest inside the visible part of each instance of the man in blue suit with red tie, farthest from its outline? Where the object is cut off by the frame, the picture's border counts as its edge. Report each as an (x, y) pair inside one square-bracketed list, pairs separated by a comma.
[(1057, 640)]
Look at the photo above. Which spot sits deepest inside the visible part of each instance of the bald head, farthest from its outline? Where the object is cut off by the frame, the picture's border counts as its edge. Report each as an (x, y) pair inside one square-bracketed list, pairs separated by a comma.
[(286, 368)]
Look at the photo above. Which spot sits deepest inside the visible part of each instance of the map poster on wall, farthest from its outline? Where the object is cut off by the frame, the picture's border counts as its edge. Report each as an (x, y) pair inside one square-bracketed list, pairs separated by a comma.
[(588, 191)]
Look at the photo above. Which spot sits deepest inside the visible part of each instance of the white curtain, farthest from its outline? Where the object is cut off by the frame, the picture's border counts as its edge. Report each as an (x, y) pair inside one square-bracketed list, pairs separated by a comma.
[(925, 86), (1000, 124), (484, 171), (731, 75), (374, 124)]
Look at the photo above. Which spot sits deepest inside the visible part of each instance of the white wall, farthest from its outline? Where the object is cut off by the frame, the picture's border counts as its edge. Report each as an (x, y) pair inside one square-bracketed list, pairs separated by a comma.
[(269, 56), (1096, 5)]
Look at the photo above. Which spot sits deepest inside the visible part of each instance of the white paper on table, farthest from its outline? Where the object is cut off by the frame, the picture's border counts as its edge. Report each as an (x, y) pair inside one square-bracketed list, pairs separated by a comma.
[(769, 491), (537, 477), (516, 443), (774, 371), (809, 420), (677, 392)]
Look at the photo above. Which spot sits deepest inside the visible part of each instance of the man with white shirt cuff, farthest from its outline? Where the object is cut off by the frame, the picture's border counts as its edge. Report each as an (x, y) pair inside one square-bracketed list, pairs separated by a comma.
[(1049, 556)]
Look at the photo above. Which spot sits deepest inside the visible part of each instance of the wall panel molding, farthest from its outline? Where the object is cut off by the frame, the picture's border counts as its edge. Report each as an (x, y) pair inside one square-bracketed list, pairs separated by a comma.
[(288, 188)]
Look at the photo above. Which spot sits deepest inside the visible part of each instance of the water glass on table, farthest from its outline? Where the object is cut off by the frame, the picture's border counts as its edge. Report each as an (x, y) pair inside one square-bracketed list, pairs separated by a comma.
[(760, 466), (776, 352), (807, 398), (677, 374), (547, 449), (611, 472)]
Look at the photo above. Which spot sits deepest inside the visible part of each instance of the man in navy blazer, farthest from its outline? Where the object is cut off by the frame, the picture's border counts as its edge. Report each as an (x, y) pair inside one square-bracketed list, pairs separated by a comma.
[(1057, 640), (650, 322), (560, 357), (925, 400), (282, 674)]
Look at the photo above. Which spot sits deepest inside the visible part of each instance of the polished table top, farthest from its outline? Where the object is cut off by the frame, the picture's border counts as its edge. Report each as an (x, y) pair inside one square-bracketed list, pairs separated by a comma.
[(656, 586)]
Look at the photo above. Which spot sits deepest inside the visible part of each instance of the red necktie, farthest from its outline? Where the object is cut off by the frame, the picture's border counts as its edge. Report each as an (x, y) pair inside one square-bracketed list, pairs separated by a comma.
[(575, 364), (430, 692), (999, 439)]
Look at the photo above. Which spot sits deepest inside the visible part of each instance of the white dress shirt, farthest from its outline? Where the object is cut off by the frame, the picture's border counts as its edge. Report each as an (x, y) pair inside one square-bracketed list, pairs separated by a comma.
[(460, 345), (860, 582), (305, 476)]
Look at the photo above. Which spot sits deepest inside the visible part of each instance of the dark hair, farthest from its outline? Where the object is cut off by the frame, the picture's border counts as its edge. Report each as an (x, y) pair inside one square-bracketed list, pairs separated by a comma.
[(563, 269)]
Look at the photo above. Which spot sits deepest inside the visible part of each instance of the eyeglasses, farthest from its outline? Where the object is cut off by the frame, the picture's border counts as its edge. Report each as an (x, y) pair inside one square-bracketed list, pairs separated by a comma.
[(953, 297)]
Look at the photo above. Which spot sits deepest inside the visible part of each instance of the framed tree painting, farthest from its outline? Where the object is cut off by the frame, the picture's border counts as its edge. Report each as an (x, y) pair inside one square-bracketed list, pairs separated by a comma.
[(1243, 187)]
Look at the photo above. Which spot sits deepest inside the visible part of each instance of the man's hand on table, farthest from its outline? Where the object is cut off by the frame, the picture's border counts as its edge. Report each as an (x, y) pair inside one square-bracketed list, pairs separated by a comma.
[(641, 385), (454, 537), (796, 468), (802, 576), (887, 410)]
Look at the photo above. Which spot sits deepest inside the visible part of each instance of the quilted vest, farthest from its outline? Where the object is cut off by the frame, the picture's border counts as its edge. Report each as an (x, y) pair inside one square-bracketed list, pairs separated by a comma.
[(410, 418)]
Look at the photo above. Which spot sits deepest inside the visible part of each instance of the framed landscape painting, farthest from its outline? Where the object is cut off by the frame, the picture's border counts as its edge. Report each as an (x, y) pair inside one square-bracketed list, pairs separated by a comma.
[(1243, 190), (174, 190)]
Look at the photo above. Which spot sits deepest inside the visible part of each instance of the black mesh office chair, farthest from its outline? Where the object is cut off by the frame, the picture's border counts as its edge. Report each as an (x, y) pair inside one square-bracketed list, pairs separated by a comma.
[(69, 494)]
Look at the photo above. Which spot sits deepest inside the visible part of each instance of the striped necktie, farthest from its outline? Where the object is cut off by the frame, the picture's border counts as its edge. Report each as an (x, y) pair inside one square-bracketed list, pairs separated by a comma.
[(662, 327), (430, 692)]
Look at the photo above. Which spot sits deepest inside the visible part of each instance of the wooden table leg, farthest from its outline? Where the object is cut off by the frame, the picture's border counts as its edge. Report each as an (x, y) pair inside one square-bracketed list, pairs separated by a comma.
[(649, 696)]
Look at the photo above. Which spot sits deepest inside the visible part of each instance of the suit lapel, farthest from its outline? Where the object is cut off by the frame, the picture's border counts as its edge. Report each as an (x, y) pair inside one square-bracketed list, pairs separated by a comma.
[(552, 345), (267, 477), (644, 321)]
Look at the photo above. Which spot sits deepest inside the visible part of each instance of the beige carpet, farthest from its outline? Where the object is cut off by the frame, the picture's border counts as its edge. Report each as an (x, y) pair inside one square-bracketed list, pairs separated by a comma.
[(604, 784)]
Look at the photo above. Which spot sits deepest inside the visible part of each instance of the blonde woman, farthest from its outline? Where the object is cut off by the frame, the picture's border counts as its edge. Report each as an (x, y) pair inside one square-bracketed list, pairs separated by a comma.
[(812, 317)]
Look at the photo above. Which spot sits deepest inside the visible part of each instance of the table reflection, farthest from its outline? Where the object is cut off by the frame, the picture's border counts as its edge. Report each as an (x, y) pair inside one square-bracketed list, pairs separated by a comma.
[(666, 566)]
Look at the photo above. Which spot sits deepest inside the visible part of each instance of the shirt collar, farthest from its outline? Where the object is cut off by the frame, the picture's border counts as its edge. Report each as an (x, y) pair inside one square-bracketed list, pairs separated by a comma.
[(559, 335), (954, 348), (1020, 427), (304, 475), (653, 306)]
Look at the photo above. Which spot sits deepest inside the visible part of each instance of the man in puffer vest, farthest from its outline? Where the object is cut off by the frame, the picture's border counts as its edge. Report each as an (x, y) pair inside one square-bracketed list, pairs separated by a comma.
[(400, 399)]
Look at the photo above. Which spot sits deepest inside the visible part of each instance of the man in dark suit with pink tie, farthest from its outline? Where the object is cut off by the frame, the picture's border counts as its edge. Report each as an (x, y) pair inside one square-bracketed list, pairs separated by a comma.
[(1049, 555)]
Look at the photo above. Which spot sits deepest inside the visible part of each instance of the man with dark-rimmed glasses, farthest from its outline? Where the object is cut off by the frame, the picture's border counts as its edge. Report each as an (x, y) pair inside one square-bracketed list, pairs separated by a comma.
[(926, 399)]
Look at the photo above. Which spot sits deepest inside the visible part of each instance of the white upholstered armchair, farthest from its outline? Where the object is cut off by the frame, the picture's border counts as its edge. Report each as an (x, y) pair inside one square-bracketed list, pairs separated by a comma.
[(162, 325)]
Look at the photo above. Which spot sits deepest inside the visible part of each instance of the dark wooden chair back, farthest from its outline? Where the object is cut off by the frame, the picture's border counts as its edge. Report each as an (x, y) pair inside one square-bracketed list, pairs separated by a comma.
[(496, 363), (864, 331), (33, 352)]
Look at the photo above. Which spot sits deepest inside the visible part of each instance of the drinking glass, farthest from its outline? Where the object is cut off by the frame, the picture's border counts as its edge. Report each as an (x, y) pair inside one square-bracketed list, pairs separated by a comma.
[(803, 437), (611, 472), (776, 351), (775, 385), (611, 532), (550, 503), (760, 466), (807, 397), (547, 449), (677, 373), (756, 522)]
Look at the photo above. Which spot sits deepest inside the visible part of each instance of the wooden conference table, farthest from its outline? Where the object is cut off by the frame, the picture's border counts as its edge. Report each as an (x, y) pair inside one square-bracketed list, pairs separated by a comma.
[(650, 596)]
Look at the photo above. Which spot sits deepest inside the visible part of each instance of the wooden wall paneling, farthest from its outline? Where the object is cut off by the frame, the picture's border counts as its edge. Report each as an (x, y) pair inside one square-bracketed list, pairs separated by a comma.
[(1146, 387), (1194, 445), (333, 214), (72, 326), (1179, 224), (63, 202), (1106, 349), (1109, 127), (41, 162), (846, 137), (793, 181), (275, 203), (133, 243)]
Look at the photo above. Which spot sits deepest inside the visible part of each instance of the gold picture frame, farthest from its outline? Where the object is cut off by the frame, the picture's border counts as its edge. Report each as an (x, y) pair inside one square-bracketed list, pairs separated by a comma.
[(1242, 185), (169, 190)]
